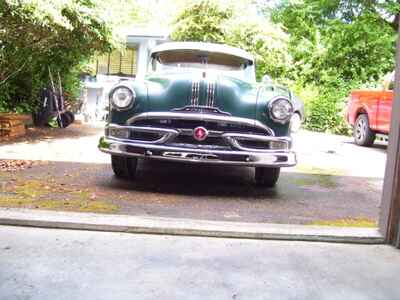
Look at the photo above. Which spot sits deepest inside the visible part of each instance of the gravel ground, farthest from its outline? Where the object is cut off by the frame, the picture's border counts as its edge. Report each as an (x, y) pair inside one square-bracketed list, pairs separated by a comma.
[(334, 181)]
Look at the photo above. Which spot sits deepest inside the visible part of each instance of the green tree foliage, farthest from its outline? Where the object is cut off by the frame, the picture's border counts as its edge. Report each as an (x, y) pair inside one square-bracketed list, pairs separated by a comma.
[(326, 48), (337, 45), (268, 44), (330, 38), (202, 21), (39, 34), (213, 21)]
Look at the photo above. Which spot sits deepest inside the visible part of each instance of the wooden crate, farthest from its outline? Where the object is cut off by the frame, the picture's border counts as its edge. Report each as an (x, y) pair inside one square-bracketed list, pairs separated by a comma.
[(11, 126), (16, 117), (7, 124)]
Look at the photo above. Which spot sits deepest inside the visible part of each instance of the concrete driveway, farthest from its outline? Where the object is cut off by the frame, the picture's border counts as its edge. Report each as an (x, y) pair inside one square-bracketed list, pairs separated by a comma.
[(70, 264), (335, 182)]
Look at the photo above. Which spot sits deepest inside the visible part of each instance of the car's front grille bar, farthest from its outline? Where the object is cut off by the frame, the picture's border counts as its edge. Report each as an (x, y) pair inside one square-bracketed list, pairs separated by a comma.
[(189, 132), (245, 142), (184, 139), (127, 133), (188, 116)]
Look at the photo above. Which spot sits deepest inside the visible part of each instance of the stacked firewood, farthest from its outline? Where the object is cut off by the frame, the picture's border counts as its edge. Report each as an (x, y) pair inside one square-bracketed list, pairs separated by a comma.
[(12, 126)]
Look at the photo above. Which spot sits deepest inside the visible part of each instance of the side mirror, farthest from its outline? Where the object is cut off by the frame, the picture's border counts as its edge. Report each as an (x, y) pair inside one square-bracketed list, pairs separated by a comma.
[(266, 79)]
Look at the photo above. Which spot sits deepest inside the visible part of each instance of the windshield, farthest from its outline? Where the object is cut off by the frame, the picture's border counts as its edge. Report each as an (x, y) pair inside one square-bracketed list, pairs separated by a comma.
[(193, 61)]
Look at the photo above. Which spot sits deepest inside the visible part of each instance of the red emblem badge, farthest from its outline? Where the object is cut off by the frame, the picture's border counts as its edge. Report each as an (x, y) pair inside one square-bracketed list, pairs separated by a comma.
[(200, 133)]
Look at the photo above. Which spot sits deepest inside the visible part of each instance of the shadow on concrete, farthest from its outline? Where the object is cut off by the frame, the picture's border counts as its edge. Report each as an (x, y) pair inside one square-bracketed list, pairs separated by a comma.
[(166, 189)]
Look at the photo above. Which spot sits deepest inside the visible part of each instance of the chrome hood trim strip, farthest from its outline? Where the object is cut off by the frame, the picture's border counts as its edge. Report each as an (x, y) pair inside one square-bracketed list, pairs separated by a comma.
[(211, 93), (195, 93)]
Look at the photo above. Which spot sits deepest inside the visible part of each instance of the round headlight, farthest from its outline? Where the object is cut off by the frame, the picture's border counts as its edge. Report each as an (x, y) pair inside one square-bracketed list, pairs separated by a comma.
[(122, 97), (281, 109)]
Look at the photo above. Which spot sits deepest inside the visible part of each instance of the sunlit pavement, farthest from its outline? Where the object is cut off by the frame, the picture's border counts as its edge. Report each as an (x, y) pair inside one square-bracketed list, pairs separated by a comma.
[(77, 143), (69, 264), (333, 154), (324, 152), (334, 180)]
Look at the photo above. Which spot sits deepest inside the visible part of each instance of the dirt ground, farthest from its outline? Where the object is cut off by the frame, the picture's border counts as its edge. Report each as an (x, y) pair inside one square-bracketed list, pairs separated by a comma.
[(335, 182)]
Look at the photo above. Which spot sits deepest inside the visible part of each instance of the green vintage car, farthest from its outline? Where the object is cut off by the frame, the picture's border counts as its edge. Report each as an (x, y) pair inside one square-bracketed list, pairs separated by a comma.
[(200, 103)]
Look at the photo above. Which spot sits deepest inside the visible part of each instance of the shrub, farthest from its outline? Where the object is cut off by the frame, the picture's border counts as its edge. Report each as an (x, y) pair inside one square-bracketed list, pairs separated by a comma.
[(324, 106), (325, 113), (337, 46), (38, 34)]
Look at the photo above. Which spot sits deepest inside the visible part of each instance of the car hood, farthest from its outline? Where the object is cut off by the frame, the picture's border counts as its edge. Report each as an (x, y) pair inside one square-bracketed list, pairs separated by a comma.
[(232, 96), (177, 91)]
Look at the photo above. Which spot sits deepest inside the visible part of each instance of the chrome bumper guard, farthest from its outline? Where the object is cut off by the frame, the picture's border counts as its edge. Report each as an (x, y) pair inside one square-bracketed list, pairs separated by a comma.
[(118, 142)]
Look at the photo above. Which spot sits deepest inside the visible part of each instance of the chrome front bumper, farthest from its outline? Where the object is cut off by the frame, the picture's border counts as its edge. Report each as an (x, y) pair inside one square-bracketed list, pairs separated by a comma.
[(238, 155)]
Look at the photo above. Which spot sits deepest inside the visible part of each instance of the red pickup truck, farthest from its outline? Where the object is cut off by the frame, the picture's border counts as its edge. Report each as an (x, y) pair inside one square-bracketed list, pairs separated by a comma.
[(369, 112)]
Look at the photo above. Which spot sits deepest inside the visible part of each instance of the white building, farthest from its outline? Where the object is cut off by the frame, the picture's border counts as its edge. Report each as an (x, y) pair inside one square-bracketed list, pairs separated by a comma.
[(128, 64)]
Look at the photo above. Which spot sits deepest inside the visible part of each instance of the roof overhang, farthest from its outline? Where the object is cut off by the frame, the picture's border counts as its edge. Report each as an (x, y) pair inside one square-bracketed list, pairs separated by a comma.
[(203, 47)]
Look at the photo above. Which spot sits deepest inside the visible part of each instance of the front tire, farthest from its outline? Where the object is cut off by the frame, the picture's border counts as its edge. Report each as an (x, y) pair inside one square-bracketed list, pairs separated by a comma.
[(363, 135), (124, 167), (267, 177)]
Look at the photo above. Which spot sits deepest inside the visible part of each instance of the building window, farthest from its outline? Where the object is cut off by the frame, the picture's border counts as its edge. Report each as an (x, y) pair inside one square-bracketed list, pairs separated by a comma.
[(119, 63)]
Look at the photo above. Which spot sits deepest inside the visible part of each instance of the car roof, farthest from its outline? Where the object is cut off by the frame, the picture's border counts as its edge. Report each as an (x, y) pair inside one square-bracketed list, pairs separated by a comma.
[(203, 47)]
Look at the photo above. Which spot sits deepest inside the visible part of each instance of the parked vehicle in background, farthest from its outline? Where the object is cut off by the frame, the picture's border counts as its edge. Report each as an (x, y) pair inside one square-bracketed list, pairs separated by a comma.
[(369, 112), (298, 116), (200, 103)]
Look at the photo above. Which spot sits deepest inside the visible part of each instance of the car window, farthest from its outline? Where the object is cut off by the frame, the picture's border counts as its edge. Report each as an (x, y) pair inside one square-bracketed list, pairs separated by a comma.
[(192, 61), (199, 57)]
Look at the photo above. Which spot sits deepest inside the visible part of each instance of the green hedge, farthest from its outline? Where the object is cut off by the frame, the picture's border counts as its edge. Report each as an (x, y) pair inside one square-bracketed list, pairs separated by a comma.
[(38, 34), (325, 106)]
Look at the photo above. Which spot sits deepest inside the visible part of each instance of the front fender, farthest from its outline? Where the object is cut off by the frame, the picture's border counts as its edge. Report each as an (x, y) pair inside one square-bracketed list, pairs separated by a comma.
[(265, 95), (140, 105)]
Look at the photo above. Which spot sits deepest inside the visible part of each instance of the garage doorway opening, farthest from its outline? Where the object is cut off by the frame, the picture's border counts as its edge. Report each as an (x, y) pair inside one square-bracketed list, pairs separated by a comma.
[(335, 184)]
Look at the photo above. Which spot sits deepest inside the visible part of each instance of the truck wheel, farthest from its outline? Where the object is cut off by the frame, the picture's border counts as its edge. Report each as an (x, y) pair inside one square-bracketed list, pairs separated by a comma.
[(267, 177), (363, 135), (124, 167)]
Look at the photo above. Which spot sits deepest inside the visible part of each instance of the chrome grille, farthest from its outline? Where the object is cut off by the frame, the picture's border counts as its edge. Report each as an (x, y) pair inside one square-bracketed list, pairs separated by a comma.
[(224, 132), (223, 121), (211, 142), (210, 125)]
